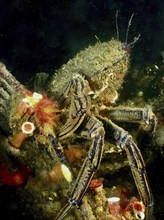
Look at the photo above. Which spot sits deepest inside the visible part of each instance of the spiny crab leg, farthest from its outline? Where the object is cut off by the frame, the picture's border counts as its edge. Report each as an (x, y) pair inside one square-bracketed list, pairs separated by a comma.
[(143, 116), (125, 141), (140, 176), (79, 90), (91, 129)]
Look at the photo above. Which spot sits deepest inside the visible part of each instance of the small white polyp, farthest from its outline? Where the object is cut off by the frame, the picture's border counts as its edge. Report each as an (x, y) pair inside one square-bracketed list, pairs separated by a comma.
[(141, 215), (36, 95), (113, 199)]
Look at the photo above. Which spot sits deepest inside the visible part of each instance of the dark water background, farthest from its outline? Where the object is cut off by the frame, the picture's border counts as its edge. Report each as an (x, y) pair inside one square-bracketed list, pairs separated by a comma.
[(41, 35)]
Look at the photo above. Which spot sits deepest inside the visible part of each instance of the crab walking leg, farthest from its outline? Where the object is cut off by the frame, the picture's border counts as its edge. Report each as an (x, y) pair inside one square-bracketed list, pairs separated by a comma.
[(140, 176), (8, 86), (78, 89), (10, 89), (8, 82), (124, 141), (143, 116), (91, 129)]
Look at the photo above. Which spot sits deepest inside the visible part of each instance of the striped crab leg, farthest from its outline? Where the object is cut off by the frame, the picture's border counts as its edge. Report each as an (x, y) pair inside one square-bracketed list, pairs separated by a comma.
[(10, 89), (136, 162), (87, 127), (91, 129), (78, 92), (143, 116)]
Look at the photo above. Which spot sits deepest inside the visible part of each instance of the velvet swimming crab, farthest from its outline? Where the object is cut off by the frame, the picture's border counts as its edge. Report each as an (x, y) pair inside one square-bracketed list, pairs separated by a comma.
[(83, 91)]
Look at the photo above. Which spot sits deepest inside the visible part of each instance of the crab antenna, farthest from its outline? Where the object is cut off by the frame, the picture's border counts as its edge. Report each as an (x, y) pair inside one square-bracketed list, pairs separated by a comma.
[(131, 45), (117, 30), (129, 24)]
